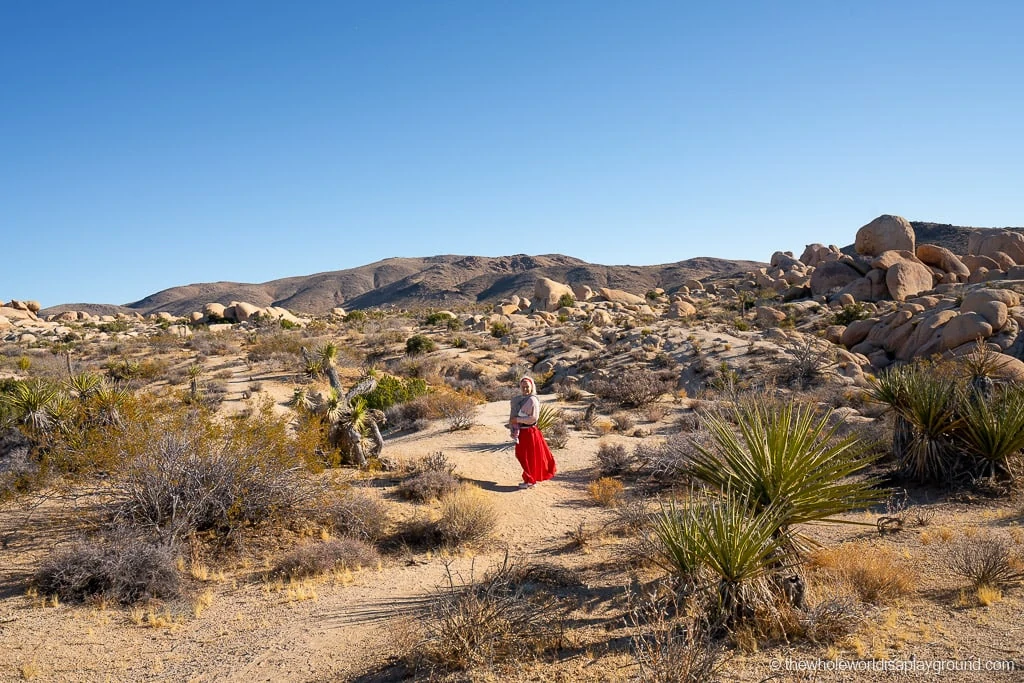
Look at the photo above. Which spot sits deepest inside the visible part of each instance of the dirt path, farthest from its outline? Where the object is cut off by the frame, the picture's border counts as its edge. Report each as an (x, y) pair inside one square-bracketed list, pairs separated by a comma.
[(334, 630)]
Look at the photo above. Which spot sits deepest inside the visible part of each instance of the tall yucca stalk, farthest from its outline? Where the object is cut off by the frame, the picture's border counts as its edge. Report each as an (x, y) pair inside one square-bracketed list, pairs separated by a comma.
[(788, 459), (993, 430)]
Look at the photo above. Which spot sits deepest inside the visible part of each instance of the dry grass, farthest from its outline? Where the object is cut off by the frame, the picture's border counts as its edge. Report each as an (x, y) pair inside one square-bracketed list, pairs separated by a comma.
[(467, 517), (322, 558), (429, 485), (877, 574), (606, 492)]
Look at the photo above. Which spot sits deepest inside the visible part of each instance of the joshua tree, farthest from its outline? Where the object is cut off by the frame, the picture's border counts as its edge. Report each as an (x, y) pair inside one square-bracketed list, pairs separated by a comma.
[(345, 413)]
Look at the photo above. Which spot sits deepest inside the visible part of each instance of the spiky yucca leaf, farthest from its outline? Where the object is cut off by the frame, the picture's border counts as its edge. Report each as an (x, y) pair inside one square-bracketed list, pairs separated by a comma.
[(931, 407), (718, 543), (84, 384), (548, 417), (32, 403), (993, 431), (785, 458)]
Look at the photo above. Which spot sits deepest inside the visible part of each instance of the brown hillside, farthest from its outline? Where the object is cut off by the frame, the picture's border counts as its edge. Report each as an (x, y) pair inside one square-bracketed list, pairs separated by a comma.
[(448, 280)]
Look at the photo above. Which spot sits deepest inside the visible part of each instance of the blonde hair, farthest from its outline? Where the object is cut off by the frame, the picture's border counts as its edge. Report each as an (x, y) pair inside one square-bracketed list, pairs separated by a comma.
[(533, 385)]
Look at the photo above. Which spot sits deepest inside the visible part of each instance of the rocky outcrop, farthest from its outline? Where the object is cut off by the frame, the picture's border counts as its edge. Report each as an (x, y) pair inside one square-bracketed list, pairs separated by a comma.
[(546, 294), (885, 233)]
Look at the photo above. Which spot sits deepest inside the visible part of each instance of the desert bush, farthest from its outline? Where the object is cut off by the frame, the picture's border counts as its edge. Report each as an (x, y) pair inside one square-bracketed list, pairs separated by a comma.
[(438, 318), (671, 650), (557, 435), (569, 392), (315, 559), (267, 346), (197, 477), (633, 387), (613, 459), (500, 329), (391, 390), (419, 343), (428, 485), (507, 616), (986, 560), (606, 492), (810, 358), (436, 462), (467, 517), (831, 619), (124, 568), (356, 514), (851, 313), (623, 421), (211, 343), (459, 411)]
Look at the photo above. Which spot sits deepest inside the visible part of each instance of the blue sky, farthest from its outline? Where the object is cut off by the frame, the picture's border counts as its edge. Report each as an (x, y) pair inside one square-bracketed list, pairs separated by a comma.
[(145, 145)]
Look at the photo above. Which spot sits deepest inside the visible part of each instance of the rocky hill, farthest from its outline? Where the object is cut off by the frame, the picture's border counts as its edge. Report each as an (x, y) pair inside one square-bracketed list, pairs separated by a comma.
[(444, 281)]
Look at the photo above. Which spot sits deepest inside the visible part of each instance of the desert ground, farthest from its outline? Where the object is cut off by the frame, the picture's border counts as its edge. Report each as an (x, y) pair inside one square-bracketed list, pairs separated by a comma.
[(180, 501)]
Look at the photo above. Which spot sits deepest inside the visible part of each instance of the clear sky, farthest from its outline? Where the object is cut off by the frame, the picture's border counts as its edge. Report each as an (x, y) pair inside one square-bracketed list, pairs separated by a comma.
[(145, 145)]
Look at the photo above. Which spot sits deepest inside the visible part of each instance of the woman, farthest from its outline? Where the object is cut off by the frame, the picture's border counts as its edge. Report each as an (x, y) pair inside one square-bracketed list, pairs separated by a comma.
[(532, 451)]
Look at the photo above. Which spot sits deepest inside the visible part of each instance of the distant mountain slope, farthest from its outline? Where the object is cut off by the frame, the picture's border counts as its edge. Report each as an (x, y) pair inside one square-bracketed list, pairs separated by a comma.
[(953, 237), (448, 280)]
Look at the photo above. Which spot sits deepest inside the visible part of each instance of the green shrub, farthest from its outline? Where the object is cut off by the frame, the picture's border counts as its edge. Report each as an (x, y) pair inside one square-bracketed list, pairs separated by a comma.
[(850, 313), (500, 329), (566, 301), (438, 318), (393, 390), (419, 343)]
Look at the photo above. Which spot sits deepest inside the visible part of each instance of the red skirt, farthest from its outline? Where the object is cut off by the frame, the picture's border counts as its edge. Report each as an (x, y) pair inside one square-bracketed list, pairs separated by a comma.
[(533, 454)]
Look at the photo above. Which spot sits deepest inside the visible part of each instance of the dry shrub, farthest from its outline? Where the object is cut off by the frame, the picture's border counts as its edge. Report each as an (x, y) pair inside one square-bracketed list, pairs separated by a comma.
[(655, 412), (673, 649), (436, 462), (356, 514), (633, 387), (835, 612), (428, 485), (201, 476), (613, 459), (508, 616), (606, 492), (124, 568), (986, 560), (569, 392), (321, 558), (623, 421), (877, 574), (467, 517)]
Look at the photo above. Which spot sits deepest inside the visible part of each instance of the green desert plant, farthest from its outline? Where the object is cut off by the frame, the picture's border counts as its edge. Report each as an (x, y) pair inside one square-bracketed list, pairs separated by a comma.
[(926, 405), (785, 458), (717, 543), (993, 431)]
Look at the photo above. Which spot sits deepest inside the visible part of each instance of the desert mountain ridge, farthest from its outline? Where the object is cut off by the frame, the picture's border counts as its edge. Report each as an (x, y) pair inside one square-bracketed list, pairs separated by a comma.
[(452, 280), (445, 280)]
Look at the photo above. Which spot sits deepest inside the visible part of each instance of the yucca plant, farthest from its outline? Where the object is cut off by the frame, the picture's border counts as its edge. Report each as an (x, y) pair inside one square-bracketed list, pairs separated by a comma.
[(718, 543), (993, 430), (788, 459), (932, 409), (890, 388), (32, 403), (84, 384)]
